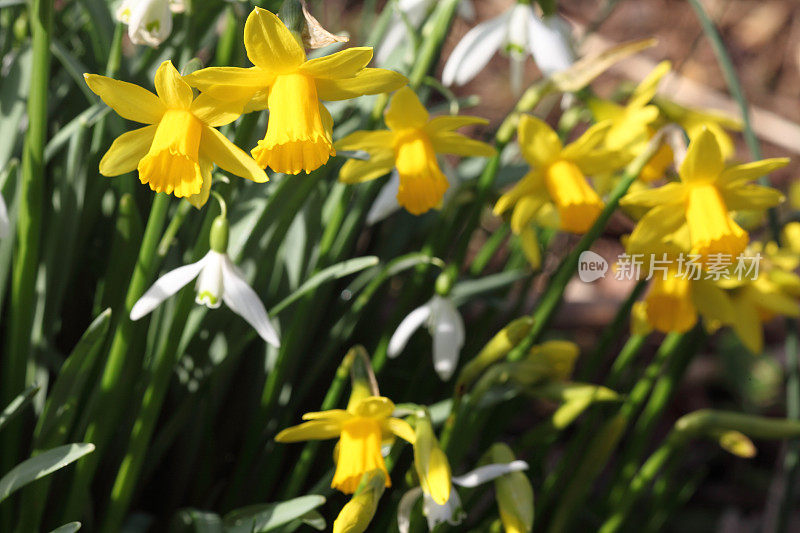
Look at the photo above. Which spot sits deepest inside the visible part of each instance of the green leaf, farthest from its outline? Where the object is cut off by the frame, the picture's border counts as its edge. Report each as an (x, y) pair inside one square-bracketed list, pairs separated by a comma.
[(13, 94), (196, 521), (466, 290), (270, 516), (315, 520), (62, 402), (42, 465), (17, 405), (339, 270), (72, 527)]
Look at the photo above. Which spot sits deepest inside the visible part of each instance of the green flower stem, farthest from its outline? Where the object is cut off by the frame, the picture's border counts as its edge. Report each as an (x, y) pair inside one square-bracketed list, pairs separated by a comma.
[(791, 461), (434, 32), (691, 426), (550, 300), (623, 361), (605, 441), (589, 366), (108, 399), (29, 228), (663, 390)]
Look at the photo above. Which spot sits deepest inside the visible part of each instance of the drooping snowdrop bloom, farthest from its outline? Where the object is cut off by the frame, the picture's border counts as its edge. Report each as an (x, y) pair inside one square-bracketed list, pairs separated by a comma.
[(446, 327), (5, 222), (149, 21), (410, 14), (218, 280), (451, 511), (518, 31)]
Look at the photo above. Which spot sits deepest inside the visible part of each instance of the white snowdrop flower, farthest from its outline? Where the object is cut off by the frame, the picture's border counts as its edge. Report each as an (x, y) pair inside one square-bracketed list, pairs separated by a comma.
[(451, 512), (149, 21), (5, 222), (414, 12), (518, 31), (218, 280), (446, 327)]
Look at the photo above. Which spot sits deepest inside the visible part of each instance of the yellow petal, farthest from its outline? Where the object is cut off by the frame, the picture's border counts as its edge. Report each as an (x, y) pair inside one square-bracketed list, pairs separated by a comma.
[(655, 226), (587, 142), (578, 204), (314, 430), (448, 123), (344, 64), (531, 183), (405, 111), (751, 197), (454, 143), (213, 112), (711, 228), (230, 83), (368, 81), (356, 171), (671, 193), (530, 247), (269, 43), (422, 183), (331, 414), (713, 303), (669, 303), (171, 89), (751, 171), (216, 147), (402, 429), (539, 143), (603, 110), (436, 481), (703, 160), (647, 89), (172, 164), (199, 200), (747, 326), (374, 407), (359, 452), (366, 140), (126, 151), (128, 100)]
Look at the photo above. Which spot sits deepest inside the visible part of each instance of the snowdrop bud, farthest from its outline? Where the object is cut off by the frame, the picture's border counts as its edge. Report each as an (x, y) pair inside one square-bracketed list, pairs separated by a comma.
[(514, 493), (149, 21), (444, 283), (356, 515), (219, 234), (738, 444)]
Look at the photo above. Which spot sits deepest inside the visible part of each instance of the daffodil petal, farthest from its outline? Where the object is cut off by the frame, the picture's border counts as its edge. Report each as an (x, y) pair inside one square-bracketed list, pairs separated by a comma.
[(199, 200), (214, 112), (646, 90), (437, 476), (269, 43), (751, 197), (368, 81), (374, 407), (402, 429), (244, 301), (126, 151), (230, 84), (407, 327), (128, 100), (166, 286), (451, 142), (452, 122), (170, 87), (538, 142), (712, 302), (587, 142), (355, 171), (230, 157), (344, 64), (654, 226), (366, 140), (747, 326), (671, 193), (331, 414), (751, 171), (703, 160), (405, 111), (314, 430)]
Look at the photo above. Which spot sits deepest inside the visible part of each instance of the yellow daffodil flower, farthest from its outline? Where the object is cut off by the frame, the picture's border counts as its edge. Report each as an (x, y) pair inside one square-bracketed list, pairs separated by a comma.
[(299, 130), (703, 199), (632, 125), (176, 152), (361, 430), (430, 462), (557, 179), (410, 145)]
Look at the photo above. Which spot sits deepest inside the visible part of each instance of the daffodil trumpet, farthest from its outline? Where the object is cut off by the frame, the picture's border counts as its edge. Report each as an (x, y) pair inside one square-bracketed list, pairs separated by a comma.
[(410, 146), (176, 152), (299, 131)]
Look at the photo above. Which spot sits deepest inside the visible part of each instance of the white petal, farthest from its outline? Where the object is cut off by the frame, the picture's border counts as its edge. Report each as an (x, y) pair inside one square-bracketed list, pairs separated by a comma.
[(386, 202), (475, 50), (448, 338), (123, 13), (150, 22), (404, 509), (549, 43), (244, 301), (407, 327), (466, 10), (489, 472), (209, 282), (166, 286), (450, 512), (397, 35), (5, 222)]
